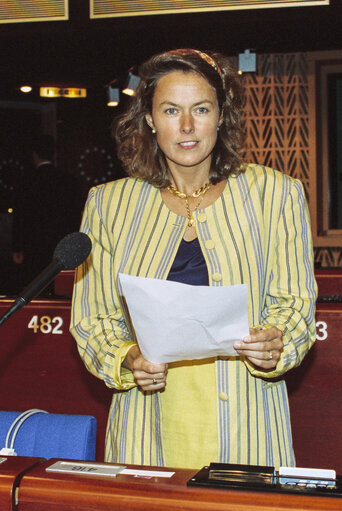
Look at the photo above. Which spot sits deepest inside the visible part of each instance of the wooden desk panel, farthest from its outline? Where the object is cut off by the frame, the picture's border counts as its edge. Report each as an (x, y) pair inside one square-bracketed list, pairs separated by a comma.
[(11, 471), (40, 490), (64, 283), (40, 366), (329, 281), (315, 394), (42, 369)]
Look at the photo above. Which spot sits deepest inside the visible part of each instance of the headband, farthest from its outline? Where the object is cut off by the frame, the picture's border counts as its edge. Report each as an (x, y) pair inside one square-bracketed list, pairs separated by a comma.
[(209, 60)]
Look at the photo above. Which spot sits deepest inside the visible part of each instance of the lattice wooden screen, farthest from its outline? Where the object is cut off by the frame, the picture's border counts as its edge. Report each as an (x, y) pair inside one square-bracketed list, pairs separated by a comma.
[(328, 257), (277, 123), (277, 114)]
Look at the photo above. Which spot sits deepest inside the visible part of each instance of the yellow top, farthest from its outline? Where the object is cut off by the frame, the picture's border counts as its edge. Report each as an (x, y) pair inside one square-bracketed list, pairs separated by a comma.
[(220, 409)]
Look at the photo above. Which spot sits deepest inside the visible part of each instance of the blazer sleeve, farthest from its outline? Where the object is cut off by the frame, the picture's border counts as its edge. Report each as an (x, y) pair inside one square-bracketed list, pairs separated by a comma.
[(291, 290), (98, 321)]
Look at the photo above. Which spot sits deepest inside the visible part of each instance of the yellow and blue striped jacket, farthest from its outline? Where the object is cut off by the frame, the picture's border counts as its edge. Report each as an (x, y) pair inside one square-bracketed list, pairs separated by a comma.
[(220, 409)]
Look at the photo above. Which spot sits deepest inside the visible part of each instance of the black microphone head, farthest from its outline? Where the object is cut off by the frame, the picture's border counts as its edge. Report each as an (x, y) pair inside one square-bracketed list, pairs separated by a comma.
[(72, 250)]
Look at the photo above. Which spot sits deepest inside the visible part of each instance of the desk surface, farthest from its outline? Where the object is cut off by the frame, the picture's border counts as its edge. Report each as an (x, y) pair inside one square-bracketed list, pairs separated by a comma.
[(12, 468), (49, 491)]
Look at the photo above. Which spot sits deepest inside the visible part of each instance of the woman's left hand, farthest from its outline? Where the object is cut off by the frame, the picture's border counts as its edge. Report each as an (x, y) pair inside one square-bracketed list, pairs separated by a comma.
[(262, 347)]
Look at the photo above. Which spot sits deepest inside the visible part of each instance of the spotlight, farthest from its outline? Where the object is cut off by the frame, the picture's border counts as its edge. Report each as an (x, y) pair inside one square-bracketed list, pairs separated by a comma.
[(133, 82), (247, 62), (26, 88), (113, 96)]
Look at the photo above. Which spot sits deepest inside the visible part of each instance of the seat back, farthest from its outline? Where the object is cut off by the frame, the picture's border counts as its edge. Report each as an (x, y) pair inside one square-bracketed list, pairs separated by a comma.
[(48, 435)]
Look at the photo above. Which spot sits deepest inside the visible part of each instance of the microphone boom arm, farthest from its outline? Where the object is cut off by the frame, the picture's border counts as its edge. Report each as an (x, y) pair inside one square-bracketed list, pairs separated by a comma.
[(34, 288), (70, 252)]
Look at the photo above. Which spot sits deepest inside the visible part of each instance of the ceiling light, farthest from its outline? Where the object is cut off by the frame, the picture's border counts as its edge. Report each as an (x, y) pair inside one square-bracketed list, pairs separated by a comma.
[(113, 96), (133, 82), (26, 88)]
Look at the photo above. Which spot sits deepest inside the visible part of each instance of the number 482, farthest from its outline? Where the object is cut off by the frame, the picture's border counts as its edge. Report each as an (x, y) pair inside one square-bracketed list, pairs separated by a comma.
[(46, 324)]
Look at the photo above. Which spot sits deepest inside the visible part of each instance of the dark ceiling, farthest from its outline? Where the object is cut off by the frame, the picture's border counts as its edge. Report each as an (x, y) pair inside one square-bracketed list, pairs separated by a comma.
[(93, 52)]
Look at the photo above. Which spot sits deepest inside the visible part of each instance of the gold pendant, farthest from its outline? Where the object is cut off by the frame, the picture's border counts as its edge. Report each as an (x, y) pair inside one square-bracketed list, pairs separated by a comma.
[(190, 222)]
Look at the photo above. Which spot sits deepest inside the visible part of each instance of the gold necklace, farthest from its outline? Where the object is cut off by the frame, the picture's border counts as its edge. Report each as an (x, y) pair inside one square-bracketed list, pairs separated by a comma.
[(187, 196)]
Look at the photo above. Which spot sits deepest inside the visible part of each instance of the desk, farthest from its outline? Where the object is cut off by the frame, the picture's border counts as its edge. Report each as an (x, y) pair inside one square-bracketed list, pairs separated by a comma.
[(315, 395), (40, 366), (329, 282), (47, 491), (11, 471)]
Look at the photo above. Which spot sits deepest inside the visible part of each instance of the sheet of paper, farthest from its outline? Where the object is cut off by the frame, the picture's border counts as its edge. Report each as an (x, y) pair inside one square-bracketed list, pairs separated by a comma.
[(175, 322), (146, 473)]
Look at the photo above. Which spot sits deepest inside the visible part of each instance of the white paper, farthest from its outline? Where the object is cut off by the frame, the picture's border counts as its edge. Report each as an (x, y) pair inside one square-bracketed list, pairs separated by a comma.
[(174, 321), (146, 473)]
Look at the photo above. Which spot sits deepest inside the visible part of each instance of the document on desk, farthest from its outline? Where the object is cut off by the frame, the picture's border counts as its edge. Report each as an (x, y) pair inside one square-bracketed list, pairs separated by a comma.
[(174, 321)]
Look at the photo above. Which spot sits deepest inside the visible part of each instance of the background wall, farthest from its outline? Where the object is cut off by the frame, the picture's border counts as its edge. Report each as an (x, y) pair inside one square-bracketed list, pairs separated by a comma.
[(84, 52)]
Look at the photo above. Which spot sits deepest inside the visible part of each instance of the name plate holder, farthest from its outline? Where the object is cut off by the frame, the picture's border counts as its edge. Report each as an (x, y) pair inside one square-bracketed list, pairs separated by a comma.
[(299, 481), (89, 469)]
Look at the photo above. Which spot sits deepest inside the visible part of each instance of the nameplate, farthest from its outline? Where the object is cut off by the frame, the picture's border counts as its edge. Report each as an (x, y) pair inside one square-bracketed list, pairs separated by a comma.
[(2, 460), (147, 474), (89, 469)]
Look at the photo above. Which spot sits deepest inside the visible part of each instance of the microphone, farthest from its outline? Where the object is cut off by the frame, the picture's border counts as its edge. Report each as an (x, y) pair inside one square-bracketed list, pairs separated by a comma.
[(70, 252)]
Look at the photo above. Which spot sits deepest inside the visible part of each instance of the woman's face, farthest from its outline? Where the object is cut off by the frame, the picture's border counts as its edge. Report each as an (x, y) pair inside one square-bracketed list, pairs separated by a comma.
[(185, 116)]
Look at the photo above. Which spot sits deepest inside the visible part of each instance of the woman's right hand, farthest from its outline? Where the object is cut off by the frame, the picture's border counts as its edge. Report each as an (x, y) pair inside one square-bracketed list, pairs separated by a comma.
[(147, 375)]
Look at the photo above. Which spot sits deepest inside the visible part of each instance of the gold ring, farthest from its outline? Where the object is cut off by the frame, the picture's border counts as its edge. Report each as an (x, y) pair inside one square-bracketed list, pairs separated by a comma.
[(154, 381), (270, 355)]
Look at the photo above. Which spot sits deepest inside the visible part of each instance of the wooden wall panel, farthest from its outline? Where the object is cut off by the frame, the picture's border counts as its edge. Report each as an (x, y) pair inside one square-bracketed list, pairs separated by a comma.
[(281, 128), (277, 114)]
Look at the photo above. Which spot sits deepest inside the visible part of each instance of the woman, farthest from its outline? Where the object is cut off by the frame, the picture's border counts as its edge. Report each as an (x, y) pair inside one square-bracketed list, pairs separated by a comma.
[(194, 212)]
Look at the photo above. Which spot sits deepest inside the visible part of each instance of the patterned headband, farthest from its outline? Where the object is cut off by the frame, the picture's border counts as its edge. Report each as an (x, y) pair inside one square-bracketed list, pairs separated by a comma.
[(209, 60)]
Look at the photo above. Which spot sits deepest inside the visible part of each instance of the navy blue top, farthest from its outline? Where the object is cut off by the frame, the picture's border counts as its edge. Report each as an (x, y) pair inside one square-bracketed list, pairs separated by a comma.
[(189, 265)]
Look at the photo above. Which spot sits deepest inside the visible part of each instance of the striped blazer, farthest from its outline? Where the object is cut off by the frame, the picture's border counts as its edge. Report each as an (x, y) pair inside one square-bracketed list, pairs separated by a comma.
[(219, 409)]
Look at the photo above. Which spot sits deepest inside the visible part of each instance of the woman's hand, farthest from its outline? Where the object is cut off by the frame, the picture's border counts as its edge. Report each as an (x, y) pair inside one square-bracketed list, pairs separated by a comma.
[(147, 375), (262, 347)]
